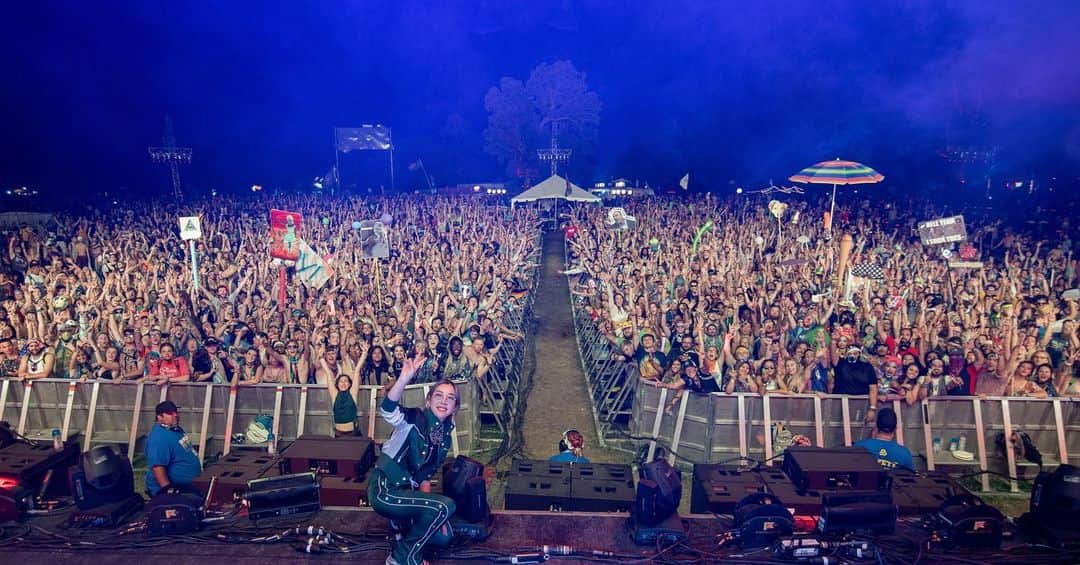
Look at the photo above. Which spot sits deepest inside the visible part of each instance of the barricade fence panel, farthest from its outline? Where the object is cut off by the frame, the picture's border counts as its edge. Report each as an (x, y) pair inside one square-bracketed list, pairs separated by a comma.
[(124, 411), (713, 429)]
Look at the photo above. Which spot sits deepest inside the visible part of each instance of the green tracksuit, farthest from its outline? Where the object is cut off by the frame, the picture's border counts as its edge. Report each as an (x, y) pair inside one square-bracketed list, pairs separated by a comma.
[(415, 451)]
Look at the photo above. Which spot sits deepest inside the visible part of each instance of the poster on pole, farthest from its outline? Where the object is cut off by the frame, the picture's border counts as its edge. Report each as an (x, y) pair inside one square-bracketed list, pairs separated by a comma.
[(190, 228), (285, 235), (311, 267), (374, 242)]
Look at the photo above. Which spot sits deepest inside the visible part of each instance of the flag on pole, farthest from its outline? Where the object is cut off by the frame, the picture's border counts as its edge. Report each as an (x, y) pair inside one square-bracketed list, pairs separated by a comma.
[(312, 269), (685, 181), (414, 165), (365, 137)]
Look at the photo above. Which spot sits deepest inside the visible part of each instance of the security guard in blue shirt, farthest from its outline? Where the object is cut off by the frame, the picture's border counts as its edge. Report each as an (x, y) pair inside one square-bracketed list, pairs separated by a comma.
[(400, 487), (170, 456), (890, 454)]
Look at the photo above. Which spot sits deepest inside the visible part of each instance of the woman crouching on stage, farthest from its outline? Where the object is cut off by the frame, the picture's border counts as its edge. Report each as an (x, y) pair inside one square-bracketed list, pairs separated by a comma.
[(399, 487)]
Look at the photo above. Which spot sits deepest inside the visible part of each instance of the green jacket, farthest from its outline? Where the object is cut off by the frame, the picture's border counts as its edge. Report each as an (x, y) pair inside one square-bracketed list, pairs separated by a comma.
[(417, 447)]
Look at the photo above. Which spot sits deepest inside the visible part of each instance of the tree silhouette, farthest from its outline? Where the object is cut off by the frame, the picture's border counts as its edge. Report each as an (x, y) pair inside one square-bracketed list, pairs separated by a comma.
[(521, 115)]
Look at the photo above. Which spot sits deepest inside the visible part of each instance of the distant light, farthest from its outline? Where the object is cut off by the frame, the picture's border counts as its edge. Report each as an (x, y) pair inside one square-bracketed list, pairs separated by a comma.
[(620, 184), (630, 192), (476, 188), (1018, 184), (8, 192), (256, 187), (599, 185), (738, 190)]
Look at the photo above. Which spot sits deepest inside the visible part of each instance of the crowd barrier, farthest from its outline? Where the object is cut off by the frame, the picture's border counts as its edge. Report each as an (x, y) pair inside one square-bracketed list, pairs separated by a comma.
[(499, 392), (719, 427), (715, 428), (610, 383), (105, 412)]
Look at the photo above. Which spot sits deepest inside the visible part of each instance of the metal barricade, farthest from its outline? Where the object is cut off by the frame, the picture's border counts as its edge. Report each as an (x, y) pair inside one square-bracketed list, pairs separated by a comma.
[(122, 413), (719, 427)]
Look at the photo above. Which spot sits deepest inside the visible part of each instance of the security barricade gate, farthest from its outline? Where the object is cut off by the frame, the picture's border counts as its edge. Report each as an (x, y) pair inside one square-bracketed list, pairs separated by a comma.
[(214, 416), (497, 395), (718, 428)]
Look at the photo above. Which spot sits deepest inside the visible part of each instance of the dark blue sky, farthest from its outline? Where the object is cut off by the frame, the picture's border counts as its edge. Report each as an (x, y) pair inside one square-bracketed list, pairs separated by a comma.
[(742, 91)]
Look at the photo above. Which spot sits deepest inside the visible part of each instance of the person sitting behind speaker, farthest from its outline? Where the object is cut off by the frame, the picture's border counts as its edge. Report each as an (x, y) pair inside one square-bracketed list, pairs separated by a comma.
[(570, 447), (171, 458), (400, 486), (883, 443)]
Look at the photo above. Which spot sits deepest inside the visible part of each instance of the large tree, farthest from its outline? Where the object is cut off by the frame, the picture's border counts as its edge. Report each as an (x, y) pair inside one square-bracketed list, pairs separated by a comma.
[(521, 116)]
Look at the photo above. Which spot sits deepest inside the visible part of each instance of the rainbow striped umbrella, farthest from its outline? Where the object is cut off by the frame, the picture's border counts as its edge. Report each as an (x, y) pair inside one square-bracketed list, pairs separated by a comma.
[(837, 172)]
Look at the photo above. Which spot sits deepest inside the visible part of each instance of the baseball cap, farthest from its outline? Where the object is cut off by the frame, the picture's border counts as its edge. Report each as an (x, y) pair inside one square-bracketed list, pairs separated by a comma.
[(854, 349), (211, 341), (168, 407)]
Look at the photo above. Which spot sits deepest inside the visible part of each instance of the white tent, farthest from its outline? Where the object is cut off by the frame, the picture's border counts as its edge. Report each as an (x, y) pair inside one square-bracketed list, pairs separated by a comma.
[(555, 188)]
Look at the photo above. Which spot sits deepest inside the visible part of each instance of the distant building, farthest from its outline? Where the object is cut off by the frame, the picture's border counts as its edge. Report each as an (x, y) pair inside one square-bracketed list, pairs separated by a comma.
[(620, 188), (485, 189)]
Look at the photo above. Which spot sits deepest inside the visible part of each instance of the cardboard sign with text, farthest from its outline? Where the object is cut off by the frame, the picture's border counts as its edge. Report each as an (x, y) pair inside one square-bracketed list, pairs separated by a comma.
[(285, 235), (943, 230)]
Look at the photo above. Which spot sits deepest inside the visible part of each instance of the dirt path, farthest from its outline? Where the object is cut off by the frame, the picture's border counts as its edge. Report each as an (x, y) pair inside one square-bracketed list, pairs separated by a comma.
[(559, 399)]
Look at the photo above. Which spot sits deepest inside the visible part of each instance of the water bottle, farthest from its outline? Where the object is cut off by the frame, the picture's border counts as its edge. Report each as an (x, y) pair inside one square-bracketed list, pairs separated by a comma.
[(963, 442), (57, 443), (271, 444)]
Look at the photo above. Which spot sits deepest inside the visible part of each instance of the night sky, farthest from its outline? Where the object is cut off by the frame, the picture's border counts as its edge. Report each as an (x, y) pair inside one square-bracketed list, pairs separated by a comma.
[(735, 91)]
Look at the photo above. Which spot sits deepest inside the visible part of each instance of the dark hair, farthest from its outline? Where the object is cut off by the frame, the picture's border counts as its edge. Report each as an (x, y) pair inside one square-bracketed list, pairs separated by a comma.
[(886, 420)]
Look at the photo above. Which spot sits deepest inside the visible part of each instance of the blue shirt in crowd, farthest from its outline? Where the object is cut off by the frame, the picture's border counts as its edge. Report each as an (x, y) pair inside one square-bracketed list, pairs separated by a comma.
[(170, 448), (889, 454)]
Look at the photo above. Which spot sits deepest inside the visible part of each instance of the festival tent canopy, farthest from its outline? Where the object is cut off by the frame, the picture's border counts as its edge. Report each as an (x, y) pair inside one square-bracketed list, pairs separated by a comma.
[(555, 187)]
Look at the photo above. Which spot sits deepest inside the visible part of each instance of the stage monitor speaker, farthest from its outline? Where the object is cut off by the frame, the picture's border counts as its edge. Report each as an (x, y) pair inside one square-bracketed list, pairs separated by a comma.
[(839, 468), (103, 476), (348, 456), (718, 488), (286, 495), (536, 492), (866, 512)]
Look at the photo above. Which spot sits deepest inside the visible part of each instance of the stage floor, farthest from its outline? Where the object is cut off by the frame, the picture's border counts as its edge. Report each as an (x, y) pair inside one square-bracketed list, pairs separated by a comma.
[(511, 531), (44, 539)]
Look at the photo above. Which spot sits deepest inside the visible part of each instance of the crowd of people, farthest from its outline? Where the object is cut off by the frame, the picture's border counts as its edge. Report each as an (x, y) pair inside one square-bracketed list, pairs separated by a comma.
[(706, 296), (110, 294), (697, 295)]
